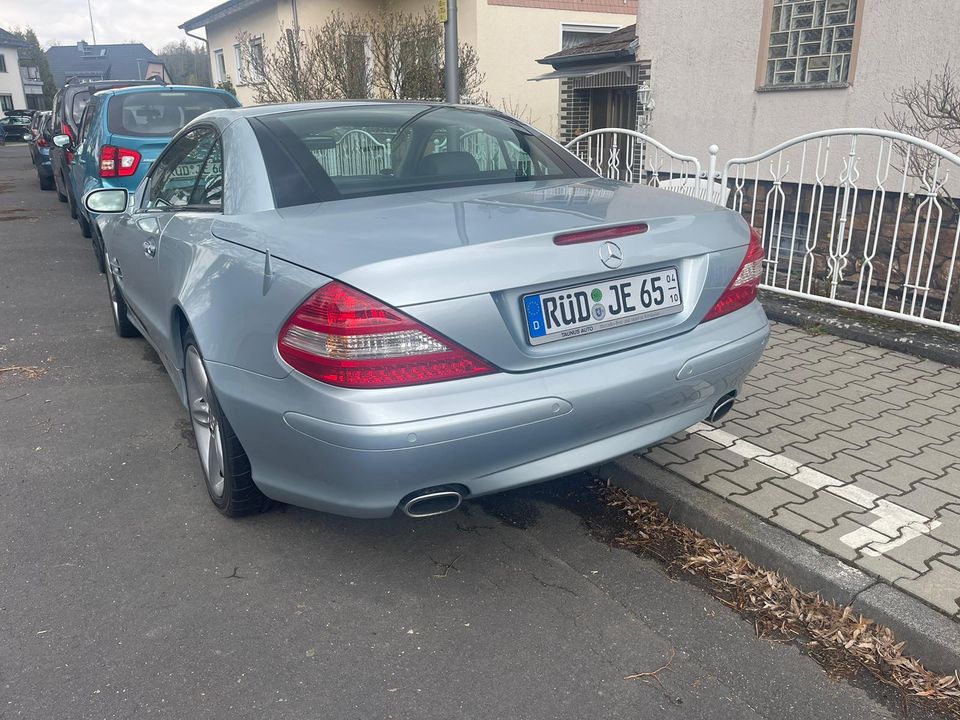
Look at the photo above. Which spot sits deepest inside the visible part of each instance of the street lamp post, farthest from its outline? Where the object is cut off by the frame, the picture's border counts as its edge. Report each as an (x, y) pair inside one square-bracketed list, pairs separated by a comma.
[(451, 53)]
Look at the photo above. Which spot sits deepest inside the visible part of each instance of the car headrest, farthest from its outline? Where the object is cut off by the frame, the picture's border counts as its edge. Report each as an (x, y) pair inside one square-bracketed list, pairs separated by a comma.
[(129, 119), (450, 164)]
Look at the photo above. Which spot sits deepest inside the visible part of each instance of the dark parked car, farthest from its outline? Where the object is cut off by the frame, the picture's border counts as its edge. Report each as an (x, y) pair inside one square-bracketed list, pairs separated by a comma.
[(40, 141), (14, 127), (68, 107), (26, 115)]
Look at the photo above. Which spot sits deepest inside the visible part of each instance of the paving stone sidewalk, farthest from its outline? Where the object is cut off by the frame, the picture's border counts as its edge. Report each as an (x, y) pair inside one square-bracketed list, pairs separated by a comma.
[(852, 447)]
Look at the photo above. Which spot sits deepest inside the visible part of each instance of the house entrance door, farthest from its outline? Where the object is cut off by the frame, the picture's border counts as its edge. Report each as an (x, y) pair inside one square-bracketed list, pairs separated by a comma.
[(614, 108)]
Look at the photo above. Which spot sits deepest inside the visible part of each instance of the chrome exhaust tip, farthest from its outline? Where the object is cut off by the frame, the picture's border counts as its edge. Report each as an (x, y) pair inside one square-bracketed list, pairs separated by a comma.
[(428, 504), (722, 407)]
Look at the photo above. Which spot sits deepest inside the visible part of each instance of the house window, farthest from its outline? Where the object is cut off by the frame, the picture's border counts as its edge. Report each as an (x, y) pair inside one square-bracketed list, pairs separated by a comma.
[(811, 43), (238, 59), (6, 102), (573, 35), (256, 59), (3, 63), (220, 65)]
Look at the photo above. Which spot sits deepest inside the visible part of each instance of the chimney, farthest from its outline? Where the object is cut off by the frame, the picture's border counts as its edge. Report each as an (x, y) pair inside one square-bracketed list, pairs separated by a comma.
[(82, 47)]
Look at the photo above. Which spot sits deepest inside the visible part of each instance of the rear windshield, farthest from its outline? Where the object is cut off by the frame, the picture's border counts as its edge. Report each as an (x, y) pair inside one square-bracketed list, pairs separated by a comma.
[(159, 113), (333, 153)]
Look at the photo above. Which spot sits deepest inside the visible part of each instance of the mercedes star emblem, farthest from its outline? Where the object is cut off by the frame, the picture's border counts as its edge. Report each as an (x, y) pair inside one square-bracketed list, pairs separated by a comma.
[(611, 255)]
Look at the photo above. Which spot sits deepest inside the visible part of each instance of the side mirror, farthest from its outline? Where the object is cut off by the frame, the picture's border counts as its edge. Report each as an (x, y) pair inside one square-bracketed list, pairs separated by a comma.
[(106, 200), (28, 137), (61, 140)]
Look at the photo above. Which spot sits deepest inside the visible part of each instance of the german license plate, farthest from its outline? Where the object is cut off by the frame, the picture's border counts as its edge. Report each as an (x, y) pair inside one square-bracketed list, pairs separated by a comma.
[(575, 311)]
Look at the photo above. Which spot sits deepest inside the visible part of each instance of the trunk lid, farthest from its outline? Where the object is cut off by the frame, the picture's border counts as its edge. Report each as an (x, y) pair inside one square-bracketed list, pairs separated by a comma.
[(462, 260)]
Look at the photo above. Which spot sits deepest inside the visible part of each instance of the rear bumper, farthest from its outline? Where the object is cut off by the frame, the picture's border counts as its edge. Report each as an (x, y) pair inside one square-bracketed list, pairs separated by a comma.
[(359, 452)]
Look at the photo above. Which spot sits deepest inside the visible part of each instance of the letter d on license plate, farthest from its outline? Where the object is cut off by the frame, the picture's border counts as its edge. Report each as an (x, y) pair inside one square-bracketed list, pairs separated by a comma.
[(571, 312)]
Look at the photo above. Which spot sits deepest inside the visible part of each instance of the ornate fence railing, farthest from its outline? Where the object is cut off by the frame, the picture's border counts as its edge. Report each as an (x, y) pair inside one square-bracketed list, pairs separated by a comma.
[(855, 217), (633, 157), (356, 152)]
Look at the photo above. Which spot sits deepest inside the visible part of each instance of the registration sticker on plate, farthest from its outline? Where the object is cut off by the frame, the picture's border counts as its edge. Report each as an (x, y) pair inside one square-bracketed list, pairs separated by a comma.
[(575, 311)]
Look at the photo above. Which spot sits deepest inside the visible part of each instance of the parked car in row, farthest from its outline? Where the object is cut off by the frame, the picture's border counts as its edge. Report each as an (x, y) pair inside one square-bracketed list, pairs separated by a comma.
[(14, 126), (68, 106), (28, 114), (40, 142), (121, 133), (473, 311)]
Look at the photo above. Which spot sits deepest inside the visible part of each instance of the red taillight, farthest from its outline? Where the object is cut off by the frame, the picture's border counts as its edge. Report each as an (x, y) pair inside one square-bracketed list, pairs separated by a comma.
[(118, 161), (343, 337), (108, 161), (743, 289), (65, 129), (585, 236), (41, 141)]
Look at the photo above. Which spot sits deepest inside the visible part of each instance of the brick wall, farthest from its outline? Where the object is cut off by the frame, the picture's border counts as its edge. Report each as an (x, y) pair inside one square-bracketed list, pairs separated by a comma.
[(575, 97)]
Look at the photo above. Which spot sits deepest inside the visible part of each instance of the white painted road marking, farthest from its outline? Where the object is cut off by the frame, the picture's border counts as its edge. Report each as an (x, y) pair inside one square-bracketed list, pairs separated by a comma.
[(894, 526)]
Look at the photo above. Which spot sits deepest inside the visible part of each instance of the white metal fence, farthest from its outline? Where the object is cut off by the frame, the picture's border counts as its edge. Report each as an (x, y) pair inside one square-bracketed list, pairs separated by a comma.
[(856, 217), (359, 152), (356, 152), (637, 158)]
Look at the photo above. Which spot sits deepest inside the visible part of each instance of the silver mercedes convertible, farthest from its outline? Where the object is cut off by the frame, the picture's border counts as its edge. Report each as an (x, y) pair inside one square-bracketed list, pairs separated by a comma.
[(367, 306)]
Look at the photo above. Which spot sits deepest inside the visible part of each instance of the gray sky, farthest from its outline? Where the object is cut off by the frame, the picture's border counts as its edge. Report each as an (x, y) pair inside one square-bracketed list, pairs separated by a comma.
[(152, 22)]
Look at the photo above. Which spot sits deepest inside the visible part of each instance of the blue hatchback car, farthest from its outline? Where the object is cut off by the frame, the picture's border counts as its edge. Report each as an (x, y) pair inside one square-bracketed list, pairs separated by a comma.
[(124, 130)]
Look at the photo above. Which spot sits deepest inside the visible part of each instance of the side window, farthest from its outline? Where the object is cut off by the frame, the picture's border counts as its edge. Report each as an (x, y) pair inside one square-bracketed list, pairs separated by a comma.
[(87, 121), (209, 190), (175, 181)]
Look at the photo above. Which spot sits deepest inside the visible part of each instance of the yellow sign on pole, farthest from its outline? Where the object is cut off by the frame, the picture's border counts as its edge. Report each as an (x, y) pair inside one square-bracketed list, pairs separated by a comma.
[(442, 11)]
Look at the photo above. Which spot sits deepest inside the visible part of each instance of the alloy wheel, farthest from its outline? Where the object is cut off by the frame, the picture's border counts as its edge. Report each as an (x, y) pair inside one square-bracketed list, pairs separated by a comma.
[(206, 428)]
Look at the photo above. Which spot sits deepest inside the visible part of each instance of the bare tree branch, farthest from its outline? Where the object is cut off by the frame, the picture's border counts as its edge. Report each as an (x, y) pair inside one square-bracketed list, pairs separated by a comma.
[(387, 54), (927, 109)]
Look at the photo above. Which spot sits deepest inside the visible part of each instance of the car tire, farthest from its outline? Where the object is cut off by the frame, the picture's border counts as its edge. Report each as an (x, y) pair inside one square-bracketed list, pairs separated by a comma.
[(46, 183), (225, 466), (118, 309), (60, 196), (84, 225)]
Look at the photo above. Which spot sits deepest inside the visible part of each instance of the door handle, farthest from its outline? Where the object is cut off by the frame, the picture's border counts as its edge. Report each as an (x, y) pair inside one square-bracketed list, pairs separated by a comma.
[(149, 248)]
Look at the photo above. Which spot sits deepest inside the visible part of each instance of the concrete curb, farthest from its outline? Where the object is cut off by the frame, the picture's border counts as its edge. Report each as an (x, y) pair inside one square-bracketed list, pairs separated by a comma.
[(900, 335), (929, 635)]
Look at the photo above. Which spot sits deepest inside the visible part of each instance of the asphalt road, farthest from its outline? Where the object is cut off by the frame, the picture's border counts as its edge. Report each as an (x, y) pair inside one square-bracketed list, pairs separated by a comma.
[(124, 594)]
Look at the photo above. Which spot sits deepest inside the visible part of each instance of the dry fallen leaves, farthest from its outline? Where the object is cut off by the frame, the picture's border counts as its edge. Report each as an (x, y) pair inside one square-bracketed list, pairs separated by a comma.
[(779, 608), (27, 371)]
